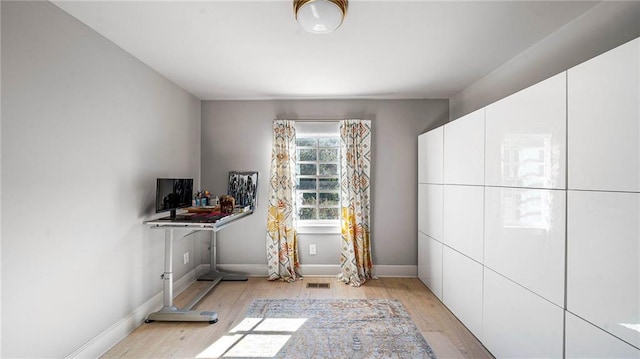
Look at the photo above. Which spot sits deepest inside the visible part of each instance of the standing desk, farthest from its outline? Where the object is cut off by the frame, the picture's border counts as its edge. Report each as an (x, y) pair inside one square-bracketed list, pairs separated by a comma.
[(169, 312)]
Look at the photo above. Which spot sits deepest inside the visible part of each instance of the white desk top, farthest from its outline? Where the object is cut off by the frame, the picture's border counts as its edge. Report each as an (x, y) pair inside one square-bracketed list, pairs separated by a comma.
[(187, 223)]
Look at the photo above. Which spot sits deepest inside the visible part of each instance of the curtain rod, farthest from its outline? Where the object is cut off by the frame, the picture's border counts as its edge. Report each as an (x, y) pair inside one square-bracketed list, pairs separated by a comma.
[(313, 120)]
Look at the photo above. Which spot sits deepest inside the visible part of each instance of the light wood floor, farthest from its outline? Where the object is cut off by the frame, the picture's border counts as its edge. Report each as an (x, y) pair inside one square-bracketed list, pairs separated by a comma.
[(446, 335)]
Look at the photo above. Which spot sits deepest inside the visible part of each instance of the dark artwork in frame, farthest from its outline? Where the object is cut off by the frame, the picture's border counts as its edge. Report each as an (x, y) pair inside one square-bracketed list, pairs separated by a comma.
[(243, 186)]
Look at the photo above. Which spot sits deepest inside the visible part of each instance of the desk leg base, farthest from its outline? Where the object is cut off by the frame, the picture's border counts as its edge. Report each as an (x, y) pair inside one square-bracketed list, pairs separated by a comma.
[(173, 314), (226, 276)]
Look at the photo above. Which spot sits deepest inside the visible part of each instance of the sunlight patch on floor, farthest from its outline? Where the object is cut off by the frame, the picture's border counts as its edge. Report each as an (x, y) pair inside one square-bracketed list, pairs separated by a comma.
[(254, 337)]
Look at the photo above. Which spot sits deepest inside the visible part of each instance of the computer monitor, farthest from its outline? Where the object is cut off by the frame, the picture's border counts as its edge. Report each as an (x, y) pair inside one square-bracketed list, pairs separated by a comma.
[(173, 193)]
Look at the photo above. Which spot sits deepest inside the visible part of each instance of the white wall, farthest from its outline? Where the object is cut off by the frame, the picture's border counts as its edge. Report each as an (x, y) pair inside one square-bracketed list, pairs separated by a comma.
[(0, 182), (601, 28), (236, 135), (86, 129)]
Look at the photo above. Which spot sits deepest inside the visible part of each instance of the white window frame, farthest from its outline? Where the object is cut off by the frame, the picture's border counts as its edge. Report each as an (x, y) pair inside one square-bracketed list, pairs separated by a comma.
[(316, 130)]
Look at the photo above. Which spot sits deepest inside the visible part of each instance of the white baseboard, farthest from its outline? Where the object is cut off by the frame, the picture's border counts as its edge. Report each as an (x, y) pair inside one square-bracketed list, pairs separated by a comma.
[(259, 270), (398, 271), (319, 270), (99, 345)]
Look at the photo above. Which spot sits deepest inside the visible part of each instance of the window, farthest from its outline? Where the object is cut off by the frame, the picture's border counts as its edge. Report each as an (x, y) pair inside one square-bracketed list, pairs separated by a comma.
[(318, 177)]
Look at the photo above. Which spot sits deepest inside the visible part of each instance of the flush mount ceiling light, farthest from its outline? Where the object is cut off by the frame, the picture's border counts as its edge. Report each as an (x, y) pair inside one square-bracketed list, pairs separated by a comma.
[(320, 16)]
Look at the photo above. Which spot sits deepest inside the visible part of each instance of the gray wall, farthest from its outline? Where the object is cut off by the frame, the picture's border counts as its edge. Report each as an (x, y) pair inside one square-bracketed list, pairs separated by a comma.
[(236, 135), (86, 129), (605, 26)]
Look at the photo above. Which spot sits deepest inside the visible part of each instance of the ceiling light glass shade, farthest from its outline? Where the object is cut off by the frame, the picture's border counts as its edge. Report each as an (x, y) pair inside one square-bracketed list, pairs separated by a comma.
[(320, 16)]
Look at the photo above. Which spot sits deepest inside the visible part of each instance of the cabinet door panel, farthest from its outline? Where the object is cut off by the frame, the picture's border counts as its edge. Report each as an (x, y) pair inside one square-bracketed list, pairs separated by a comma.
[(604, 121), (464, 220), (430, 210), (464, 150), (422, 207), (518, 323), (525, 238), (422, 158), (526, 137), (585, 340), (430, 156), (603, 261), (430, 263), (462, 288)]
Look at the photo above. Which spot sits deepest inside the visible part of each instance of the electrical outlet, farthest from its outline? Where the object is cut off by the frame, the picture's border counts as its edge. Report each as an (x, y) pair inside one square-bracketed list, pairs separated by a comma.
[(312, 249), (186, 257)]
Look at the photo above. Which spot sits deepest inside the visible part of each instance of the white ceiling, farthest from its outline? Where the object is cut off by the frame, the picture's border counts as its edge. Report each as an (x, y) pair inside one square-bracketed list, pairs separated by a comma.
[(385, 49)]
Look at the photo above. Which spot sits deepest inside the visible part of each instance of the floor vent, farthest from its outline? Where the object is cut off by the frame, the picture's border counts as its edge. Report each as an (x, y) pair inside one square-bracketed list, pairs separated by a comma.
[(318, 285)]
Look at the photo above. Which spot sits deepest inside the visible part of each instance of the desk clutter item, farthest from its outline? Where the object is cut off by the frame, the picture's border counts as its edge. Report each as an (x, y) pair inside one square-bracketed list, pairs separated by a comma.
[(195, 215), (241, 209), (227, 204), (243, 187), (207, 217), (204, 198), (208, 209)]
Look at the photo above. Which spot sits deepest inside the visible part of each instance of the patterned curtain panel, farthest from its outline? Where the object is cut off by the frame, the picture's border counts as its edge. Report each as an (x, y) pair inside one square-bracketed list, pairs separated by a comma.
[(282, 245), (355, 168)]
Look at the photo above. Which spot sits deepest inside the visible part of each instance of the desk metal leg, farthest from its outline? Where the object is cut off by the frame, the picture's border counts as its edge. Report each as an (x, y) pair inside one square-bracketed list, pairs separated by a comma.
[(213, 273), (169, 312)]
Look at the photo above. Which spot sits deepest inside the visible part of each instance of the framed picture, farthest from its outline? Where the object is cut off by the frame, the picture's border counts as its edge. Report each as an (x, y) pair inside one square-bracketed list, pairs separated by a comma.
[(243, 186)]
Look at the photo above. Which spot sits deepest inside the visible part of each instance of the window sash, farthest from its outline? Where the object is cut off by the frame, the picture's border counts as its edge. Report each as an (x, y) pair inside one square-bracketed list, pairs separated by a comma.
[(322, 186)]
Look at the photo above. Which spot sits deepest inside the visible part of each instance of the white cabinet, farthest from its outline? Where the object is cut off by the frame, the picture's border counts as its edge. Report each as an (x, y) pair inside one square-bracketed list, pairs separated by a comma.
[(517, 323), (462, 288), (603, 262), (604, 121), (463, 220), (430, 263), (525, 238), (464, 150), (526, 137), (430, 156), (584, 340), (533, 205)]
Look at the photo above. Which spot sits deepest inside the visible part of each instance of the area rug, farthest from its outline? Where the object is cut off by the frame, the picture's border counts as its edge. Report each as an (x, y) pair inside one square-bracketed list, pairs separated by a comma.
[(327, 328)]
